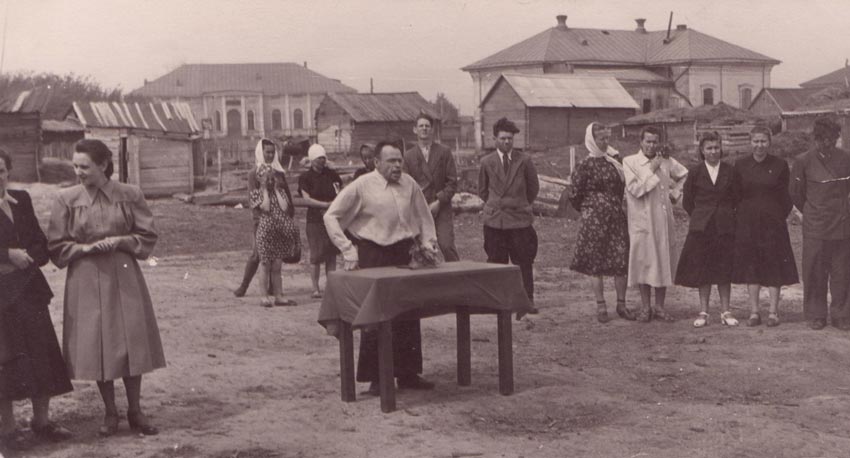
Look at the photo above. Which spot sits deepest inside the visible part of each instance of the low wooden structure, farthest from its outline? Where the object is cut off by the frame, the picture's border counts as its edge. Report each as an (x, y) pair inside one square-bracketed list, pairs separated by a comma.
[(803, 119), (59, 136), (152, 143), (20, 131)]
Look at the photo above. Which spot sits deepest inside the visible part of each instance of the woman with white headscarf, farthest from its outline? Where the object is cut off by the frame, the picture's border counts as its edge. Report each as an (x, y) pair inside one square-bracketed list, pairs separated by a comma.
[(602, 246), (277, 236)]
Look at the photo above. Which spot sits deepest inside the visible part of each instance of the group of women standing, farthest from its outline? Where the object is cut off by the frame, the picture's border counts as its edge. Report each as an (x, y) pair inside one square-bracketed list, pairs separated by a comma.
[(737, 231), (98, 229)]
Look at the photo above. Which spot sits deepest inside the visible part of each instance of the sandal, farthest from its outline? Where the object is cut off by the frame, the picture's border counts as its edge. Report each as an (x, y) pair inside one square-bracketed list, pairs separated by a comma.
[(754, 320), (727, 319), (662, 315), (624, 312), (644, 315), (279, 301), (602, 312), (702, 320), (772, 320)]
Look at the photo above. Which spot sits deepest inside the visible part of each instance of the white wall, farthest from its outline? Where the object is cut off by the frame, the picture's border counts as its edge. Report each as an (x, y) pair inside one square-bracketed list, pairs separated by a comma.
[(727, 81)]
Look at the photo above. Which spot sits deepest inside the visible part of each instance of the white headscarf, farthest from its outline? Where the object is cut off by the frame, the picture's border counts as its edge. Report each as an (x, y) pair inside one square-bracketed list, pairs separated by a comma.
[(608, 154), (260, 159)]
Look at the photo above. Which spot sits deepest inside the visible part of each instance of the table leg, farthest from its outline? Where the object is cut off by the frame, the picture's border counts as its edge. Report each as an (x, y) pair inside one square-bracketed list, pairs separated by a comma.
[(464, 350), (386, 376), (346, 362), (506, 357)]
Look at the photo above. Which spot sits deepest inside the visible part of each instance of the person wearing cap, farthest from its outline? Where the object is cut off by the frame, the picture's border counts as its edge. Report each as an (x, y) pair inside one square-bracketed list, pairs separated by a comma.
[(319, 185), (433, 167), (820, 189)]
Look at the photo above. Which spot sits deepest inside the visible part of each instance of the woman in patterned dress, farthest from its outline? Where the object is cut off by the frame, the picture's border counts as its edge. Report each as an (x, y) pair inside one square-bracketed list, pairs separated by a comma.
[(602, 246), (277, 236)]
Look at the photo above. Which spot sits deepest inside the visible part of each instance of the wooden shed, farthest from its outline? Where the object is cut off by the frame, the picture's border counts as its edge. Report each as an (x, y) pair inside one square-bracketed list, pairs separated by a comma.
[(59, 136), (553, 110), (152, 143), (20, 131), (346, 121), (803, 119)]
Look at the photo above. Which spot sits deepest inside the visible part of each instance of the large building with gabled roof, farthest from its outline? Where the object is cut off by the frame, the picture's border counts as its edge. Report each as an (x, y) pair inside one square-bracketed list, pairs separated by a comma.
[(275, 100), (659, 69)]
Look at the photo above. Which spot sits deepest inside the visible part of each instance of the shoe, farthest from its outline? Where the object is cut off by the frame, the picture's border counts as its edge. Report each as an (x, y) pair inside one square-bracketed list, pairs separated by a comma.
[(139, 422), (52, 432), (267, 302), (415, 382), (16, 441), (624, 312), (109, 426), (374, 390), (602, 312), (240, 291), (281, 302), (661, 314), (702, 320), (316, 294), (727, 319), (842, 324), (817, 324), (772, 320), (644, 315), (755, 320)]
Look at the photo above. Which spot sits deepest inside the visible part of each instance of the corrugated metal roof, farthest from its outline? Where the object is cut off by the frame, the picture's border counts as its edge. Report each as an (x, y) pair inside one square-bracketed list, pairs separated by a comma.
[(562, 91), (838, 77), (29, 101), (718, 112), (384, 107), (65, 125), (625, 75), (621, 47), (174, 117), (194, 80)]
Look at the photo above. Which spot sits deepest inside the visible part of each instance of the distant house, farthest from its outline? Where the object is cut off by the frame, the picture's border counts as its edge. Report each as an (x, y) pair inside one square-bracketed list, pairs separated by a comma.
[(772, 102), (20, 131), (345, 121), (803, 118), (553, 110), (153, 143), (840, 77), (275, 100), (658, 69)]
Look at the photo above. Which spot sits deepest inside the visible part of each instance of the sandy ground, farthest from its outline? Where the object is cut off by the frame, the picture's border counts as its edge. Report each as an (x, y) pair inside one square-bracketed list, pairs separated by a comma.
[(243, 381)]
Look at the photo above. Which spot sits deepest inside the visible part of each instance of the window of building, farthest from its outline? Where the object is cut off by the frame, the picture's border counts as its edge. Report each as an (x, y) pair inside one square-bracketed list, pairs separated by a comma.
[(298, 119), (659, 102), (276, 120), (218, 120), (746, 97), (251, 120), (647, 105), (708, 96)]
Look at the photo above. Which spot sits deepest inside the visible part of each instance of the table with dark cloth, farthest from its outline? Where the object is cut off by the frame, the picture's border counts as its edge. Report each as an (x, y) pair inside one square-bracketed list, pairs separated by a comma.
[(377, 296)]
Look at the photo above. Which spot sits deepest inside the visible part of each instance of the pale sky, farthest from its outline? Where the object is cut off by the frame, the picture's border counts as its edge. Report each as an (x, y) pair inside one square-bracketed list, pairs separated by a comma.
[(405, 45)]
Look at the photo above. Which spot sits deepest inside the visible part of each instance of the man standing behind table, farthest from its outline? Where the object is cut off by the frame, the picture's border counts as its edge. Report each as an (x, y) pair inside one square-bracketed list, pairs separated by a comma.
[(319, 185), (820, 188), (653, 185), (386, 213), (433, 167), (508, 185)]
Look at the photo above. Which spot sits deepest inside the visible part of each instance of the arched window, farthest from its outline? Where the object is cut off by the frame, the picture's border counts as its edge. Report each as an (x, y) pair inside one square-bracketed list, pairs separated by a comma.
[(218, 120), (250, 120), (276, 124), (708, 96), (298, 119), (659, 102), (746, 97)]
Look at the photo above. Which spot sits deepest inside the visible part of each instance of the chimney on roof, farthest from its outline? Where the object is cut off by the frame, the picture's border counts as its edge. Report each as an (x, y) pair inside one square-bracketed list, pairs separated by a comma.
[(146, 81), (305, 64), (640, 28), (562, 22), (681, 27)]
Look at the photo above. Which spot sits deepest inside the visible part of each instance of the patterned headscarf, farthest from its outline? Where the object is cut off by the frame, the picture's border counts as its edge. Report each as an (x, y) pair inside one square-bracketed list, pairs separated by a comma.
[(608, 154)]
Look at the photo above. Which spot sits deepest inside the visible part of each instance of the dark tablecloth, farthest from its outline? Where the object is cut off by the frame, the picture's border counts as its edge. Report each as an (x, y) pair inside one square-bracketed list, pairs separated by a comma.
[(369, 296)]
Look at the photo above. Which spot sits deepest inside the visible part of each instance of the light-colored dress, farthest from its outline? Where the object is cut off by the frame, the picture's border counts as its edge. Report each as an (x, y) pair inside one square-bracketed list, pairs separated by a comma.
[(653, 253), (109, 328)]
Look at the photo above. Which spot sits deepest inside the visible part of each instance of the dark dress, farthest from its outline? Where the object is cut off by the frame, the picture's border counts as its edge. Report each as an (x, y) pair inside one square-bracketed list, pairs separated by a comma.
[(707, 255), (31, 364), (602, 246), (763, 253)]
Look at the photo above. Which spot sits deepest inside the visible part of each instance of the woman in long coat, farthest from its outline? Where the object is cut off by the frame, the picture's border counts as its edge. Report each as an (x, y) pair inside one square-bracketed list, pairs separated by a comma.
[(763, 254), (98, 229), (710, 196), (31, 364), (602, 245)]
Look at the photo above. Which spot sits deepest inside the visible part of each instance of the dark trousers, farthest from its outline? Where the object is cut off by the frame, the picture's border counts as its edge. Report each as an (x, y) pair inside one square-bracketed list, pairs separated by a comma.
[(407, 336), (519, 246), (826, 266)]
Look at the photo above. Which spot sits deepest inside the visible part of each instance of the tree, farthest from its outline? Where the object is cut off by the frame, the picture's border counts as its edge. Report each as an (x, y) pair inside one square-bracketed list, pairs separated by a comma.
[(447, 110), (64, 90)]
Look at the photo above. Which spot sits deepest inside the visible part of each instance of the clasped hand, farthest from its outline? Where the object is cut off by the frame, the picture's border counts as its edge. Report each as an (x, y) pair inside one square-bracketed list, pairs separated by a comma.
[(101, 246), (19, 258)]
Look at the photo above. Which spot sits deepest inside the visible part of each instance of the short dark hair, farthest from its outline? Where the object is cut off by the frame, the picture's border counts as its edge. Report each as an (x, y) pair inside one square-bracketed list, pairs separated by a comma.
[(98, 152), (650, 130), (381, 144), (266, 142), (366, 146), (762, 130), (425, 116), (709, 137), (825, 128), (504, 125), (7, 158)]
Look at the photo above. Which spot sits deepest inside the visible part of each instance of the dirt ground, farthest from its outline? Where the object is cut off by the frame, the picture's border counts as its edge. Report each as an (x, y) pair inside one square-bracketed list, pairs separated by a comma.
[(244, 381)]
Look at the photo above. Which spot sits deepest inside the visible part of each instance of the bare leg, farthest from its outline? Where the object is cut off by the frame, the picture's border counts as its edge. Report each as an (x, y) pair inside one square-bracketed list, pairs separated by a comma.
[(774, 299), (660, 296), (620, 286), (725, 293), (314, 275), (266, 285), (276, 280), (704, 297), (645, 296), (7, 417), (598, 287), (754, 290)]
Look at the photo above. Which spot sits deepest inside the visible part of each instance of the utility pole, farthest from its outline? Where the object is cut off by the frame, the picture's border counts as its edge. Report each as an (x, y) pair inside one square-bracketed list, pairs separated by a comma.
[(5, 26)]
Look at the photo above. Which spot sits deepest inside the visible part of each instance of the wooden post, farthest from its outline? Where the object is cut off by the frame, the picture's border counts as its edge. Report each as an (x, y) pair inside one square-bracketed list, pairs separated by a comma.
[(386, 371), (220, 184), (205, 165), (506, 357), (572, 159), (346, 362), (464, 350)]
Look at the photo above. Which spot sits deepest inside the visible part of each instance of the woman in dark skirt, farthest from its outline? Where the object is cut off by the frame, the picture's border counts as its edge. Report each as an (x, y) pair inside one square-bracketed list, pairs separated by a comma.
[(602, 245), (31, 364), (763, 254), (710, 196)]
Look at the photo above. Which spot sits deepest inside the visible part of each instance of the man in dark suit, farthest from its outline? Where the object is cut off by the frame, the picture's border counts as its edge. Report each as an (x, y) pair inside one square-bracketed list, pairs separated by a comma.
[(508, 185), (433, 167)]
